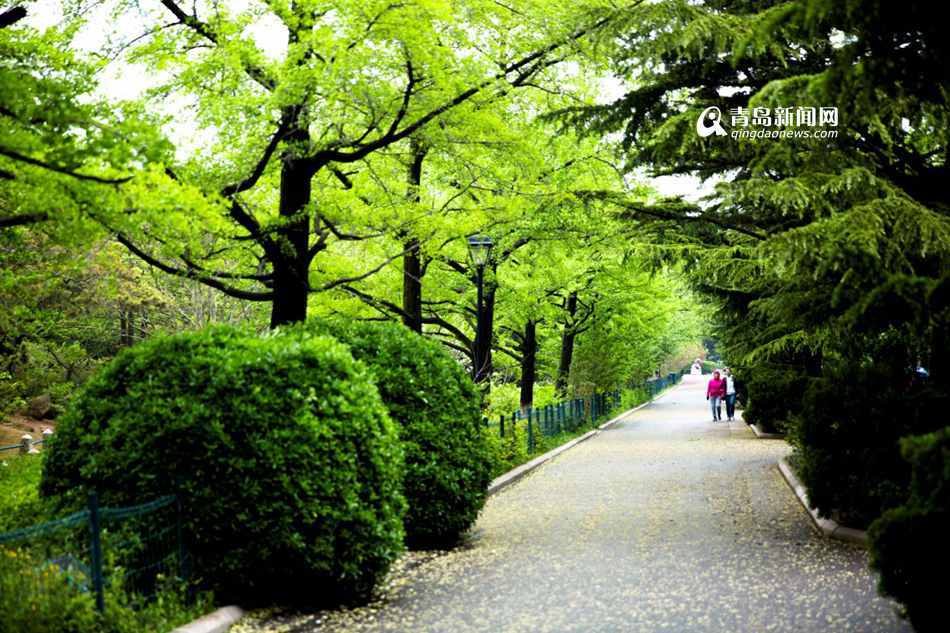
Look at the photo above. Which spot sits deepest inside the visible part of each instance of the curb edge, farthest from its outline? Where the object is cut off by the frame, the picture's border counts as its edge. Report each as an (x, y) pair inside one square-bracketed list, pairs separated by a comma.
[(218, 621), (762, 435), (827, 527)]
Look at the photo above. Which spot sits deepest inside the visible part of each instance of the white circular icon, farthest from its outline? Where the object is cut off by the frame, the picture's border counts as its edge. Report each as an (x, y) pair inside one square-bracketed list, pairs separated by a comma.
[(710, 121)]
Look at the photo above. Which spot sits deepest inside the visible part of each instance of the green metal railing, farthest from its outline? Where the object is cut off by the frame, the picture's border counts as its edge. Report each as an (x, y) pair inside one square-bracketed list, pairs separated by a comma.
[(135, 548), (656, 385), (570, 415), (27, 444)]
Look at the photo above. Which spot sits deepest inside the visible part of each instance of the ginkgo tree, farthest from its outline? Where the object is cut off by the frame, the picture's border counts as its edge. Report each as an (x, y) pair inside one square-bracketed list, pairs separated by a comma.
[(293, 93)]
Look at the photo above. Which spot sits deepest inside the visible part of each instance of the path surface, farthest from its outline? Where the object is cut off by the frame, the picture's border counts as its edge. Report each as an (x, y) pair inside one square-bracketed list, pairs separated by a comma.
[(666, 522)]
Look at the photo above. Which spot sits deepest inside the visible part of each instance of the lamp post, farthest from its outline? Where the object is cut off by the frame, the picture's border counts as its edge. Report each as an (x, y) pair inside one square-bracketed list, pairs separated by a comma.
[(479, 250)]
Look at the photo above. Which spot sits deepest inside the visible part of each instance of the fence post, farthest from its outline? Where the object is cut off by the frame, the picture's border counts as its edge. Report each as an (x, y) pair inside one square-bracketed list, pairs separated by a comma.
[(183, 567), (26, 444), (96, 550), (530, 434)]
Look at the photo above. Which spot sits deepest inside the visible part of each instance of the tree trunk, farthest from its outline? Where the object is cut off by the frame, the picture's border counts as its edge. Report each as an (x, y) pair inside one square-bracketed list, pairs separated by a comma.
[(412, 260), (412, 286), (567, 346), (125, 327), (529, 355), (292, 266)]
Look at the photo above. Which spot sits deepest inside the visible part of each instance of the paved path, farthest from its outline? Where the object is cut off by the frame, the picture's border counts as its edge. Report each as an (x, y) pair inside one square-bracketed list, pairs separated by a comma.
[(666, 522)]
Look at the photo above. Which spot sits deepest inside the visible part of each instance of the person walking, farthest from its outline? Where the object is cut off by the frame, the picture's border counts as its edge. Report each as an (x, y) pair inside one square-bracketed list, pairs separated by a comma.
[(715, 392), (730, 394)]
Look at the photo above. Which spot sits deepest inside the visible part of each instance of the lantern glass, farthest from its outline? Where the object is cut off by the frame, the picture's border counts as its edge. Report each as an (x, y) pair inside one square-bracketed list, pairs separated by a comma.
[(479, 249)]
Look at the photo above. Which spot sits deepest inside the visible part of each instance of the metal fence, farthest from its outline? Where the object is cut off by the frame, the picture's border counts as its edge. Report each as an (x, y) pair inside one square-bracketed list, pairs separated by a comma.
[(570, 415), (27, 444), (135, 550), (656, 385)]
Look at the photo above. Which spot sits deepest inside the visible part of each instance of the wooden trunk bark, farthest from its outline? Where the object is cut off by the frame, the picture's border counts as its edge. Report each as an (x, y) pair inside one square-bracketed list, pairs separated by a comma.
[(292, 266), (412, 260), (567, 346)]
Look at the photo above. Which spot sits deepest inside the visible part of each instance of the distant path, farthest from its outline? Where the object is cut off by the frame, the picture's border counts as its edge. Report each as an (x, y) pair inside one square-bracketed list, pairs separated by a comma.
[(666, 522)]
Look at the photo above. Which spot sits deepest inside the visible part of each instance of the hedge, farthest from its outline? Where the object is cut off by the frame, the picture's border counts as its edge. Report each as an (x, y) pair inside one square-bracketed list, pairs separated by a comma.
[(435, 403), (770, 396), (285, 459), (909, 543), (847, 435)]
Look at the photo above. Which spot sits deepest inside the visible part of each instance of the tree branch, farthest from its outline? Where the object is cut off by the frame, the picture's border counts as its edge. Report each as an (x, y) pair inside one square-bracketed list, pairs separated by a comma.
[(374, 301), (522, 66), (677, 211), (13, 155), (153, 261), (22, 218), (348, 280), (205, 30), (12, 16), (261, 165)]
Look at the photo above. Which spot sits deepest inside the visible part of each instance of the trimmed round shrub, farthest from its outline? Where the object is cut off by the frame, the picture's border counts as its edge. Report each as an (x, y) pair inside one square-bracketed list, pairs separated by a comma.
[(287, 465), (435, 403)]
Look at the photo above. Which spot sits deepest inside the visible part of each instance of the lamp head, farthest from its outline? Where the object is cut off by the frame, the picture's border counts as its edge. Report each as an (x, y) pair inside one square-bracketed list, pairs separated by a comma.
[(479, 249)]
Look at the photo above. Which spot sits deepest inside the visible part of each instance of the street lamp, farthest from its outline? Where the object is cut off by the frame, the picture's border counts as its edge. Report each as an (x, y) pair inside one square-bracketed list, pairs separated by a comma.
[(479, 250)]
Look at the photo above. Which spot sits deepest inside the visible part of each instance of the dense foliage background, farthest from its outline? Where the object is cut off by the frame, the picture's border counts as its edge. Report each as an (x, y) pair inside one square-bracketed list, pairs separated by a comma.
[(259, 163)]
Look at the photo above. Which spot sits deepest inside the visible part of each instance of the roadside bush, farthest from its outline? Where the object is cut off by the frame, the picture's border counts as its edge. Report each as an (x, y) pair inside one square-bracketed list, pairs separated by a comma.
[(448, 464), (630, 398), (285, 459), (41, 598), (770, 396), (847, 437), (545, 394), (20, 503), (505, 398), (909, 543), (510, 451), (11, 395)]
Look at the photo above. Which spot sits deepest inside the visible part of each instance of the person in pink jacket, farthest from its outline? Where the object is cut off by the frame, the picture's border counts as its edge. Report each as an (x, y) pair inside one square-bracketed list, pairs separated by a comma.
[(715, 392)]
